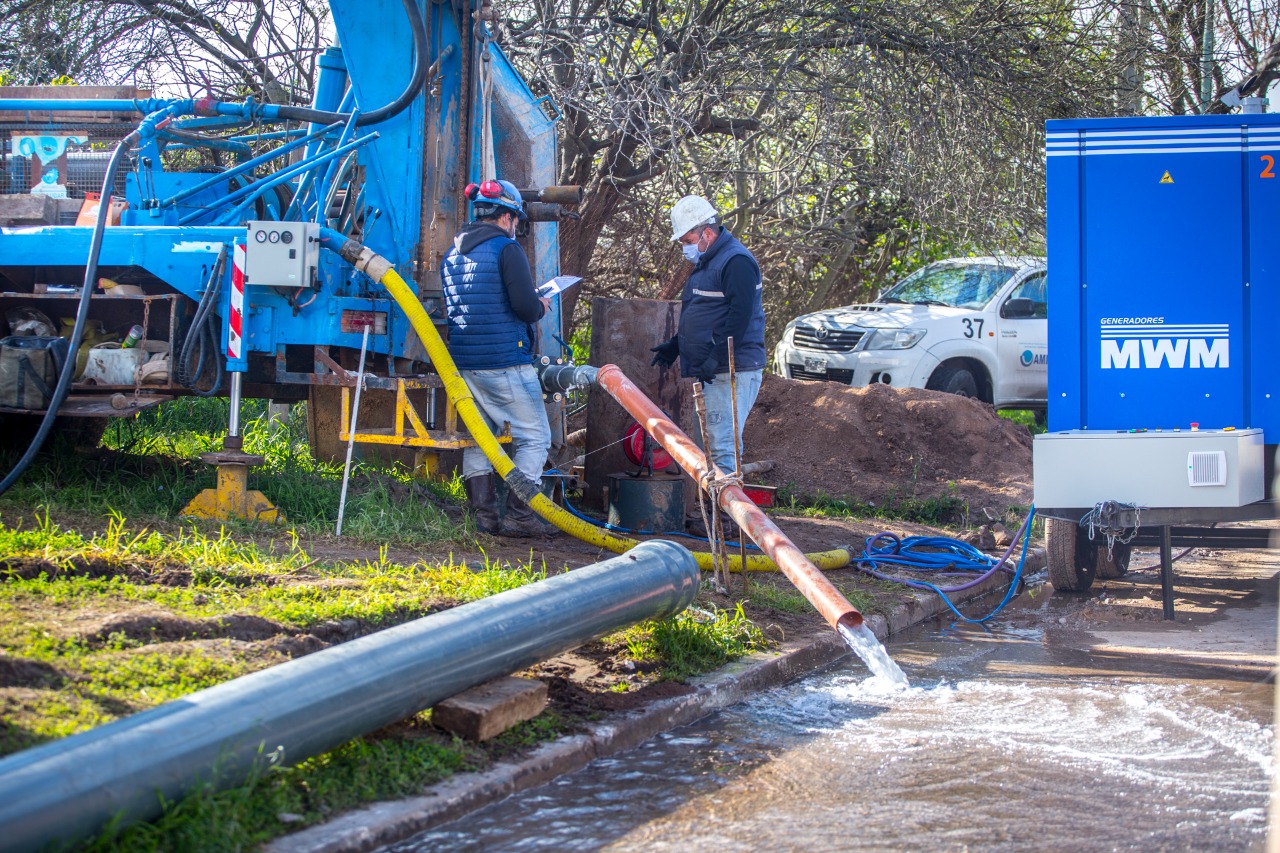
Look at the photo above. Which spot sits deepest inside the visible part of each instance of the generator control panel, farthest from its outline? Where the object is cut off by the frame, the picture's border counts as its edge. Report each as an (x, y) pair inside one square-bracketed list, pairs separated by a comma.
[(282, 254)]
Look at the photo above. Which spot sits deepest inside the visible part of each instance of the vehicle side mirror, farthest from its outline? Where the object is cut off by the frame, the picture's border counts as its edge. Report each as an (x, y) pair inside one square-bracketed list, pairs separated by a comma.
[(1018, 309)]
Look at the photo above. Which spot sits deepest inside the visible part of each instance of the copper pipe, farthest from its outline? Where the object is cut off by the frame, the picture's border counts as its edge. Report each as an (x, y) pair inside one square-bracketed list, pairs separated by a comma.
[(806, 577)]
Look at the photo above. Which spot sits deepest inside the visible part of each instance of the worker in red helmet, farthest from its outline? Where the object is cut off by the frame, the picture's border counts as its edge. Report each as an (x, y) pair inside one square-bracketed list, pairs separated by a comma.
[(721, 300), (491, 304)]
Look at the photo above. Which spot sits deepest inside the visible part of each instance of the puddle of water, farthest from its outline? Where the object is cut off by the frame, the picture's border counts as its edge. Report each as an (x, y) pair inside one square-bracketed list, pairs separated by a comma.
[(1006, 742)]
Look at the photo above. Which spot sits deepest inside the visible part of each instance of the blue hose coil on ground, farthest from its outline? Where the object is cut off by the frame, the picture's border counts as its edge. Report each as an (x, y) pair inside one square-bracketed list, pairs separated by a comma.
[(946, 554)]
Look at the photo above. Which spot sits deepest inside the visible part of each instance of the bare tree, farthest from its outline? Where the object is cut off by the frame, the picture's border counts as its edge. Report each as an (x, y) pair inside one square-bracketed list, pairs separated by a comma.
[(226, 48), (843, 142), (835, 137), (1185, 53)]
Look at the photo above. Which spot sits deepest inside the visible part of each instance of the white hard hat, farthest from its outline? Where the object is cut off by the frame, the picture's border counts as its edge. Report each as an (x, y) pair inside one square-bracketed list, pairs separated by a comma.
[(690, 212)]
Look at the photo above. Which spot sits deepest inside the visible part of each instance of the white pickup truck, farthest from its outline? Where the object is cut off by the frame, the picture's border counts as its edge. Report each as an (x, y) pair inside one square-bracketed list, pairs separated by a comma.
[(970, 326)]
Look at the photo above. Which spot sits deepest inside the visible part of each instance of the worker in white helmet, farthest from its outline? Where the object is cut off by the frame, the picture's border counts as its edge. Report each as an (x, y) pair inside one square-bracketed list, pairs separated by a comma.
[(721, 300)]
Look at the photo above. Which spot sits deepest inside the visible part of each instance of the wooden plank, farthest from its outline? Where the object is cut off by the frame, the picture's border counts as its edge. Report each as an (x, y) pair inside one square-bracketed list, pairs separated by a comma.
[(97, 406), (490, 709)]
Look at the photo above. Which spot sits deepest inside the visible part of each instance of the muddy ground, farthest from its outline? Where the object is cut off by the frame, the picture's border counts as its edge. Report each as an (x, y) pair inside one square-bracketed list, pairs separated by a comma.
[(876, 443), (856, 444)]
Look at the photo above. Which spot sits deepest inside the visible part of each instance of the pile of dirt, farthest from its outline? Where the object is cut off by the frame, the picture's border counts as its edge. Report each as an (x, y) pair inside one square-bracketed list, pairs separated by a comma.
[(879, 443)]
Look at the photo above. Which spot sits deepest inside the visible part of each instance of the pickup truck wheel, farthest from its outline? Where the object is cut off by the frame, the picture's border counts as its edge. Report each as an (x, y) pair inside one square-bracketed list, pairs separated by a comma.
[(954, 379), (1067, 571)]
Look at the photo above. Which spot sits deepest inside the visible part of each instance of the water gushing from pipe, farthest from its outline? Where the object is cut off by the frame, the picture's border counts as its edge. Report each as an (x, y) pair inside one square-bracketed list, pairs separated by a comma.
[(873, 653)]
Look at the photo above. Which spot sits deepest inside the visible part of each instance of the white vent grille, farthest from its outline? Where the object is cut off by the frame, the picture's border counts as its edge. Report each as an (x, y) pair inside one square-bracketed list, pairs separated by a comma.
[(1207, 468)]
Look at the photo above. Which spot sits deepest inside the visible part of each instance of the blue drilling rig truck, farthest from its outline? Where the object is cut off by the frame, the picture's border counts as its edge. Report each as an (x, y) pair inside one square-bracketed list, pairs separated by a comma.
[(1164, 376), (153, 248)]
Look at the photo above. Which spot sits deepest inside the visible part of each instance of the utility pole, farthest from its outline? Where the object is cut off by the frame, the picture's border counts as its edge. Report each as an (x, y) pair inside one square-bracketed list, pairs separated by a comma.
[(1206, 59), (1129, 86)]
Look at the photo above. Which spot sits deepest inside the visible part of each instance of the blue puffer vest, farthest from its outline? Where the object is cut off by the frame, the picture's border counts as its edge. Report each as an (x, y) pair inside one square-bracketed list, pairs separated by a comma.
[(703, 309), (484, 333)]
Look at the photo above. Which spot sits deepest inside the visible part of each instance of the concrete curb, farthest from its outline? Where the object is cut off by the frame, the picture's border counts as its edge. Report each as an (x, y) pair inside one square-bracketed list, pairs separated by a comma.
[(387, 823)]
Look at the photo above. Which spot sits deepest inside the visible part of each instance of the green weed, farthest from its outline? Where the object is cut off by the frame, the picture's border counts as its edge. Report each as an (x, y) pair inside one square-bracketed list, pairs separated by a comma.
[(939, 511), (149, 468), (1033, 421), (786, 600), (361, 771), (695, 641)]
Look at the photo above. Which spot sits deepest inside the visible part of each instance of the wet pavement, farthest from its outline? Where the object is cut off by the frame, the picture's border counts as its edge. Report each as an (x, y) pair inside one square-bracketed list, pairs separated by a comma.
[(1082, 723)]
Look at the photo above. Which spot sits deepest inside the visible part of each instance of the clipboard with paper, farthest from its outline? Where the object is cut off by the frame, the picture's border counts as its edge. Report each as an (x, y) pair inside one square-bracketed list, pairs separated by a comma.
[(558, 284)]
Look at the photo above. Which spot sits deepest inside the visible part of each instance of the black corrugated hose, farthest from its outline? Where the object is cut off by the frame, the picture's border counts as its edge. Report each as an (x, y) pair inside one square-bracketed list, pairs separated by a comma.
[(204, 336)]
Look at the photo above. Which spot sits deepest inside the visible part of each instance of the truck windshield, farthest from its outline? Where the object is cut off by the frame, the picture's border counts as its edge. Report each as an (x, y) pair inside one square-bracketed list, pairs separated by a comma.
[(956, 285)]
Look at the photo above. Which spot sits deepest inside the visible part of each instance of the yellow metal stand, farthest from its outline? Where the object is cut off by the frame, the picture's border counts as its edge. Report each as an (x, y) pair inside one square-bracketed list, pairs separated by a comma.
[(232, 498), (410, 431)]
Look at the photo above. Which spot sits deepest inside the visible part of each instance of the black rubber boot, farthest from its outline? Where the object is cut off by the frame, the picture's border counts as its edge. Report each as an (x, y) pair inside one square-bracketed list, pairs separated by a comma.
[(521, 522), (482, 498)]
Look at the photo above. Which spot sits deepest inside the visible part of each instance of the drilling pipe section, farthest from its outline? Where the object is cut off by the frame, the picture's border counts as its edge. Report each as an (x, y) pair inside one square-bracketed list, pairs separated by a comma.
[(69, 789)]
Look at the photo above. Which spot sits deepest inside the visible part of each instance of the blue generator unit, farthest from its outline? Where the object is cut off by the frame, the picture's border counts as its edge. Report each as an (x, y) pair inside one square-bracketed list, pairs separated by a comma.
[(1164, 393)]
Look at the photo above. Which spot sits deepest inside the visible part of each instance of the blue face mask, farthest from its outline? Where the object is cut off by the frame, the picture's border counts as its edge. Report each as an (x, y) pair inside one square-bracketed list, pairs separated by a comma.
[(691, 252)]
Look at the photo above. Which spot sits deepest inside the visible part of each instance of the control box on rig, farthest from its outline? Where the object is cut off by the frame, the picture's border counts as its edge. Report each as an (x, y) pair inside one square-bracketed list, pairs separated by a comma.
[(283, 254), (1164, 279)]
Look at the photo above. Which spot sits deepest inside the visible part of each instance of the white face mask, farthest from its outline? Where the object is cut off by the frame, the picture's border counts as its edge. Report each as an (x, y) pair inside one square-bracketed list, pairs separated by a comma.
[(691, 252)]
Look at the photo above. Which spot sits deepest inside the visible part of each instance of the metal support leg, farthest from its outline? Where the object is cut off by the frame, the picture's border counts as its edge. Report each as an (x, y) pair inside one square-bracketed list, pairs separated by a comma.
[(426, 465), (233, 428), (1166, 571), (233, 498)]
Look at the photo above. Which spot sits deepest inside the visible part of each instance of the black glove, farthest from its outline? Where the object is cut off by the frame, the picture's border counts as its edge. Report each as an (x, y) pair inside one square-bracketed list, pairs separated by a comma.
[(707, 373), (666, 353)]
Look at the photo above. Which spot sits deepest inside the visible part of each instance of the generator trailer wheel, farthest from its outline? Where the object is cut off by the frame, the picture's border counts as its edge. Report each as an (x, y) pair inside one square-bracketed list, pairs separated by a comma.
[(1067, 571)]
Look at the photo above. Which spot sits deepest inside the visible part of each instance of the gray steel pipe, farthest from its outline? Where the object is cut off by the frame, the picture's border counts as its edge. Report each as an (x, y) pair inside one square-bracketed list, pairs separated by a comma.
[(566, 377), (567, 194), (67, 790), (541, 211)]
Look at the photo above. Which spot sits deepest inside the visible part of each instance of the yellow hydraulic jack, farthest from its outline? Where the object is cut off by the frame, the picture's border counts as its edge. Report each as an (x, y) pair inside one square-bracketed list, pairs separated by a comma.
[(233, 498)]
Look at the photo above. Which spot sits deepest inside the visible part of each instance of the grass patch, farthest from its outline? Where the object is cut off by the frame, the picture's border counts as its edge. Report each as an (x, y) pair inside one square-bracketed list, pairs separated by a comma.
[(148, 467), (288, 798), (695, 641), (863, 595), (783, 599), (113, 623), (1030, 419), (946, 510), (97, 627)]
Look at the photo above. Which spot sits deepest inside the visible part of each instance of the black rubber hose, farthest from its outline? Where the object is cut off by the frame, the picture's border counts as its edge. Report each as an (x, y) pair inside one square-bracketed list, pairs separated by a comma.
[(61, 390), (420, 46), (203, 333)]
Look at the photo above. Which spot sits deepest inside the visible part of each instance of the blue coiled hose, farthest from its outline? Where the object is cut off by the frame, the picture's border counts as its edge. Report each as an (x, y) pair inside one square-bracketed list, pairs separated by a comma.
[(942, 555)]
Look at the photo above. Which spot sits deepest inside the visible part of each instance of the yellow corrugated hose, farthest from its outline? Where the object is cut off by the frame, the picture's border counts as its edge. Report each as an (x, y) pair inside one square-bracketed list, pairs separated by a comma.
[(460, 395)]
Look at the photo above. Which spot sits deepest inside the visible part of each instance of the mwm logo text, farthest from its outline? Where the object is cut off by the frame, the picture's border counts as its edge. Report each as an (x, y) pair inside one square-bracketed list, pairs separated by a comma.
[(1151, 346)]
